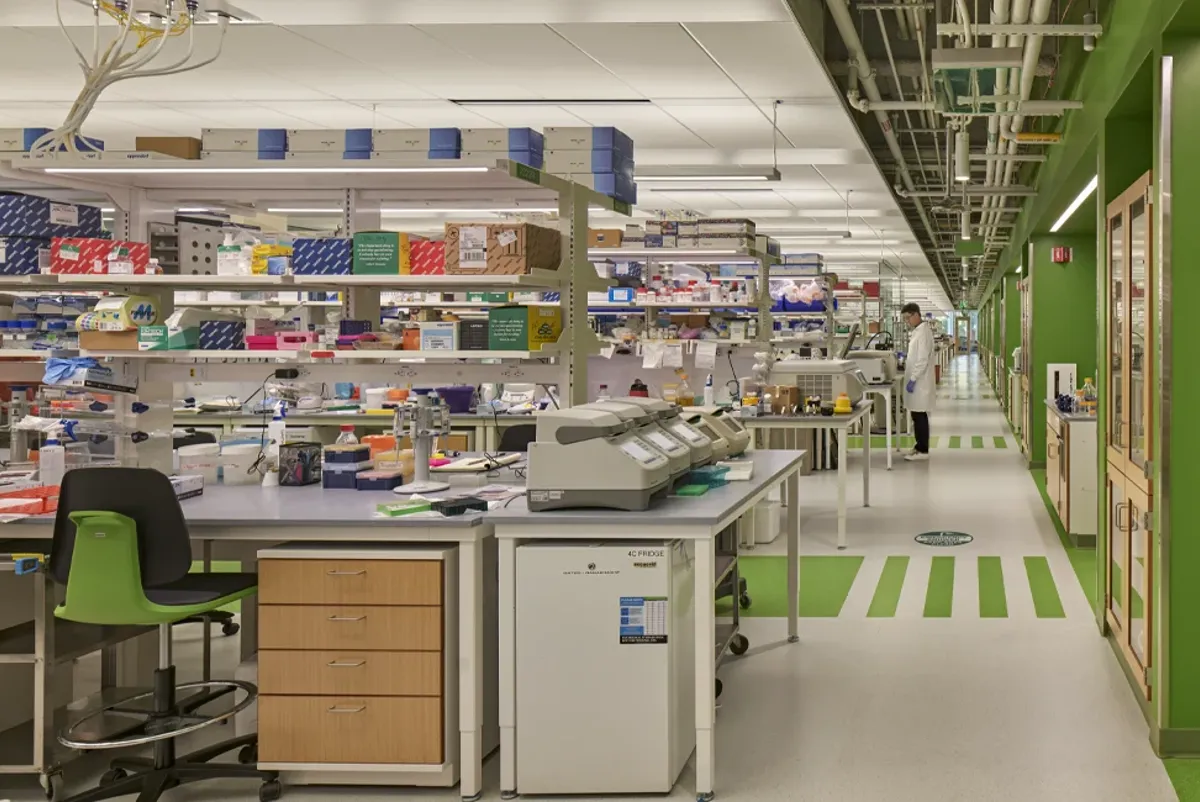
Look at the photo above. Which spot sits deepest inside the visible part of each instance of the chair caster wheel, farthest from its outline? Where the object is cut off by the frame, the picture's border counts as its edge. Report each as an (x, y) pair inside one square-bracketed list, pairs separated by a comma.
[(270, 791), (720, 686), (248, 756), (230, 628), (113, 776), (53, 786), (739, 645), (745, 601)]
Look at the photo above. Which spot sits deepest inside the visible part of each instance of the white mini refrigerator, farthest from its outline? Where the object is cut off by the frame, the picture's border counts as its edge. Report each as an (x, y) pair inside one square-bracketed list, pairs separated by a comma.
[(605, 652)]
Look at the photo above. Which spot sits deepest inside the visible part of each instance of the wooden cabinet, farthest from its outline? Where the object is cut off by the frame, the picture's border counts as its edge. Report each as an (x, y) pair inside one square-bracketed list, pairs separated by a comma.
[(1129, 305), (358, 662), (1071, 474)]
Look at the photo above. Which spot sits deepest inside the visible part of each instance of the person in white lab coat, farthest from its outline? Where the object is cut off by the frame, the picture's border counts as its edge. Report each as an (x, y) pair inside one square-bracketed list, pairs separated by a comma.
[(919, 385)]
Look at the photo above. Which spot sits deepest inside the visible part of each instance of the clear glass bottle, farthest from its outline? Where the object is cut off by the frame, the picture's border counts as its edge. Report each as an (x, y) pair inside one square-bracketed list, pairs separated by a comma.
[(347, 437), (1090, 396)]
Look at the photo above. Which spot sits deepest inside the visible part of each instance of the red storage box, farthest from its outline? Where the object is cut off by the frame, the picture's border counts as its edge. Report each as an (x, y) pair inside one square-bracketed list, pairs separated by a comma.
[(86, 255), (260, 342), (427, 257), (871, 288)]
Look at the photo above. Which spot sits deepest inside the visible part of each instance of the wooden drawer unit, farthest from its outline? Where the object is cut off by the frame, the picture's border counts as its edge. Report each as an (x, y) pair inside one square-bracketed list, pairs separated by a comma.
[(296, 673), (341, 730), (392, 629), (359, 582)]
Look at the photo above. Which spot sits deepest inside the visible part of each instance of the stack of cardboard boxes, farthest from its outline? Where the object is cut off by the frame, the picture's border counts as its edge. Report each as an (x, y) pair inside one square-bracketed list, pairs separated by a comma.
[(28, 225), (250, 144), (600, 158), (434, 143), (347, 143)]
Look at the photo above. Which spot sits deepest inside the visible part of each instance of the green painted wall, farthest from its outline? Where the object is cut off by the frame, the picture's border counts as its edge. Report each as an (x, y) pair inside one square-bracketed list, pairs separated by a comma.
[(1064, 322)]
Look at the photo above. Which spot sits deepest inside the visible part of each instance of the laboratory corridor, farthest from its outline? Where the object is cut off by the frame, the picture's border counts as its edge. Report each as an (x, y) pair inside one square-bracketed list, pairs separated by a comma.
[(972, 672)]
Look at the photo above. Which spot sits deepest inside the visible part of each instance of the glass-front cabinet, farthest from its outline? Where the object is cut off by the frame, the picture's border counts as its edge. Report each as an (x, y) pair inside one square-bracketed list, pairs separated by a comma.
[(1129, 381), (1130, 307)]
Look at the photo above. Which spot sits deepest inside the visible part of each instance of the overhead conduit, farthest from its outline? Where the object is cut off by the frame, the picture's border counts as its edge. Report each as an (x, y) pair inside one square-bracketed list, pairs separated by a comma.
[(840, 11)]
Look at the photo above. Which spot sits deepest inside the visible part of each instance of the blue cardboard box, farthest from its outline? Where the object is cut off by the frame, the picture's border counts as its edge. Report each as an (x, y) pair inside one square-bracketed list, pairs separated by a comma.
[(614, 185), (359, 140), (31, 216), (444, 154), (322, 256), (23, 256), (222, 335)]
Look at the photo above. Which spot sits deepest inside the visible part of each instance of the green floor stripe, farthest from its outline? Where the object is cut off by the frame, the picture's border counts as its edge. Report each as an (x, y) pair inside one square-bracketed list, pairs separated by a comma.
[(908, 441), (887, 592), (1082, 560), (956, 442), (999, 442), (939, 595), (1185, 776), (825, 583), (1041, 584), (992, 601), (933, 441), (976, 442)]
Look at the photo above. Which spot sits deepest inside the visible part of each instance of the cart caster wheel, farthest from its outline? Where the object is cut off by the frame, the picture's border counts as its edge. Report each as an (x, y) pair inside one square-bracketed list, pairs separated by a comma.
[(270, 791), (53, 786), (230, 628), (248, 756), (719, 687), (113, 776), (509, 795), (739, 645), (745, 601), (709, 797)]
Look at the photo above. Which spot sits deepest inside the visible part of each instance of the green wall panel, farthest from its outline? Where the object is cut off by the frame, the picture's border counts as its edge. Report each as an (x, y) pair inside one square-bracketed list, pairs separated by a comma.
[(1064, 322)]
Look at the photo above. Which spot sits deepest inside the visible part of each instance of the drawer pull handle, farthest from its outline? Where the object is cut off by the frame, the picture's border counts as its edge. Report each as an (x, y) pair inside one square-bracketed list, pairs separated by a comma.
[(350, 618), (347, 573), (347, 664), (348, 710)]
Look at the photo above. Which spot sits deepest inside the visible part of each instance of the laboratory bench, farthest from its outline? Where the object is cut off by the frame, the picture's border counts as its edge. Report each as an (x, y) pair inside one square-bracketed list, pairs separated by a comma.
[(692, 522), (838, 425), (348, 563), (1071, 483)]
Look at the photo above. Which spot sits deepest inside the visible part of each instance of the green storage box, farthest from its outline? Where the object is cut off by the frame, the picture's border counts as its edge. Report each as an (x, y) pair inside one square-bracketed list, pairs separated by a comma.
[(159, 338), (487, 297), (381, 253)]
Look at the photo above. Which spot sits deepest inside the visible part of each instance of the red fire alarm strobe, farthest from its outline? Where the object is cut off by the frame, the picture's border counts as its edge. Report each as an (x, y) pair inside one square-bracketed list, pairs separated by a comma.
[(1060, 256)]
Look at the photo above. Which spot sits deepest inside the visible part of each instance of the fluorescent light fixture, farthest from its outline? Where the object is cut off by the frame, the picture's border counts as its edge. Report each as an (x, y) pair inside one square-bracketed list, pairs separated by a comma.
[(254, 170), (695, 174), (812, 236), (1075, 204), (299, 210), (107, 210), (962, 157), (199, 209), (419, 211), (966, 225), (1019, 269)]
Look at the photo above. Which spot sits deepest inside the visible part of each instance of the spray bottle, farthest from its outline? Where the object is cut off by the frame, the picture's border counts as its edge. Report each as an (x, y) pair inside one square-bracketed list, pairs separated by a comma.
[(52, 459)]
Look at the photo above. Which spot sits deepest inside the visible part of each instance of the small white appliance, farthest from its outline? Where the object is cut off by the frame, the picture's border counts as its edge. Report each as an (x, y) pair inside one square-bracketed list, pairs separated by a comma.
[(605, 666)]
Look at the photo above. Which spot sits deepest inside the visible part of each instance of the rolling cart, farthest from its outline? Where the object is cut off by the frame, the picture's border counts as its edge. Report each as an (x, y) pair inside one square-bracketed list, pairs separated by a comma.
[(729, 639)]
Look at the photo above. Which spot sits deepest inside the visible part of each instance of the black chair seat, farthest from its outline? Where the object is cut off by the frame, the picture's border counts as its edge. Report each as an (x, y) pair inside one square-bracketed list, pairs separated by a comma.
[(200, 588)]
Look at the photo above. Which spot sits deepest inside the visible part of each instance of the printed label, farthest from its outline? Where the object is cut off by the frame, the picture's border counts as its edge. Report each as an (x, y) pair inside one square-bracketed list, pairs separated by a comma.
[(64, 214), (3, 250), (472, 247), (643, 619), (506, 238), (69, 253)]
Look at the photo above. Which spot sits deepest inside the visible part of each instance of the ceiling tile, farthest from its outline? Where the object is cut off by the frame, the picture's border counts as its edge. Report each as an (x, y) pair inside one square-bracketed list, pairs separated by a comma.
[(765, 59)]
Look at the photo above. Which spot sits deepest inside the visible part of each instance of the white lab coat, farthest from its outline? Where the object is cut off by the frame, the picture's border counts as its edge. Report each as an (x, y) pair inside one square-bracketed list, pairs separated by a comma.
[(919, 368)]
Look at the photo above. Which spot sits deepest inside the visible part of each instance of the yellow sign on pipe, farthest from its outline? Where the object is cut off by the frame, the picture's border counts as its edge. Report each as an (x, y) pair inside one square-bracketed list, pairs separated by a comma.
[(1035, 138)]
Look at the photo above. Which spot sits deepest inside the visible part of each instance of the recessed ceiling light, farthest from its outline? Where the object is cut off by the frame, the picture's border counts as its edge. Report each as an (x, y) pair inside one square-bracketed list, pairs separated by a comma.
[(695, 174)]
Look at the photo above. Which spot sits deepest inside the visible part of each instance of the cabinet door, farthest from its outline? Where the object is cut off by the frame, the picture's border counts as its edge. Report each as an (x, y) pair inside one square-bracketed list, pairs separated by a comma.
[(1064, 477), (1141, 585), (1117, 381), (1117, 567), (1053, 473), (1141, 310)]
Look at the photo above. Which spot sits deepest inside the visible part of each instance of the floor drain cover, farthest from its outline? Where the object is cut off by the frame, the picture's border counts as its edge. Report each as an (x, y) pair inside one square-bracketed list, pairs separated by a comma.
[(943, 538)]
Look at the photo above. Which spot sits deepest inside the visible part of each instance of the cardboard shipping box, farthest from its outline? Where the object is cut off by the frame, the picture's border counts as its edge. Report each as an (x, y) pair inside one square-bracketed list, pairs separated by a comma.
[(109, 340), (501, 248), (605, 237), (181, 147)]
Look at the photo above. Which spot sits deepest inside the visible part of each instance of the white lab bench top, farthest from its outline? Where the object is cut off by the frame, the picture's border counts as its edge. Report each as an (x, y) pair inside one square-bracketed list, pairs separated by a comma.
[(699, 519)]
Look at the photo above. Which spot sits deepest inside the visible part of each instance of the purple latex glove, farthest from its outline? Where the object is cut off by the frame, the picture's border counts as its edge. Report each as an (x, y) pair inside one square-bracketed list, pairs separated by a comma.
[(912, 385)]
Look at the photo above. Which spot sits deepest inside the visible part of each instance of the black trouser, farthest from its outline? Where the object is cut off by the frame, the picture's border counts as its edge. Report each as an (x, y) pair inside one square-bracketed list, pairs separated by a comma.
[(921, 428)]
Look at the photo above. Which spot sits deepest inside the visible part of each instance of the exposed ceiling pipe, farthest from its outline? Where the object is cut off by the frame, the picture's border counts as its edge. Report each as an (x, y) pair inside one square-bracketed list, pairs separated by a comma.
[(865, 104), (1004, 170), (840, 11), (1000, 9), (971, 191), (964, 17), (887, 46)]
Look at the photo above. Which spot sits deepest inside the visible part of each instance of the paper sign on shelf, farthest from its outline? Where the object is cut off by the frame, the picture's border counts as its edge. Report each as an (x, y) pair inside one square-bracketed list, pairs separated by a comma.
[(706, 354), (673, 356), (652, 355)]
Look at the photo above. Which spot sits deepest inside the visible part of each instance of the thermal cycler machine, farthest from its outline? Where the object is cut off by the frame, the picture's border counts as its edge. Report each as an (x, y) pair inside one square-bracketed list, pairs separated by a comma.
[(586, 457), (668, 416), (645, 425), (729, 437)]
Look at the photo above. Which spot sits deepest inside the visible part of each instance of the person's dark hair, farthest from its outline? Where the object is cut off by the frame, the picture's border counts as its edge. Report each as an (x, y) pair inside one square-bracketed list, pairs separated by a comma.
[(910, 309)]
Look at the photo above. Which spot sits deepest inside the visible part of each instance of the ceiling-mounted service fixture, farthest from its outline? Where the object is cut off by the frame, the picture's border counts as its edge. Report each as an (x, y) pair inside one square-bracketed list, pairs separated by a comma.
[(962, 156), (1089, 40), (1075, 204), (965, 225), (133, 50)]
